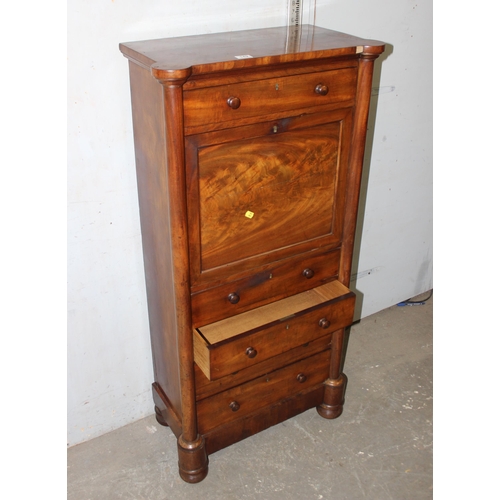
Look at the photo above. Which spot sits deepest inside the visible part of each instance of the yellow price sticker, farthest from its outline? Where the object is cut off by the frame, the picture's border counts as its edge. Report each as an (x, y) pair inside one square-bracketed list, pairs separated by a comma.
[(249, 214)]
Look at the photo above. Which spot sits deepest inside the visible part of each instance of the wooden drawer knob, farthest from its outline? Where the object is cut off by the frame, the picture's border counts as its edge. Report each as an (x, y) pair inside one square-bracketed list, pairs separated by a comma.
[(234, 298), (251, 352), (308, 273), (234, 102), (301, 378), (324, 323), (321, 89), (234, 405)]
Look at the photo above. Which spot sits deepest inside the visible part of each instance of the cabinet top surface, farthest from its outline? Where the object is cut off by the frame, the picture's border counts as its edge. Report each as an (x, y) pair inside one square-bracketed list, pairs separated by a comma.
[(172, 58)]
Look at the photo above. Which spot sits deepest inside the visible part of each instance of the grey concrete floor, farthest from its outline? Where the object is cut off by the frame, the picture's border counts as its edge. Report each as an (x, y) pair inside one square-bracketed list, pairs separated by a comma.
[(379, 448)]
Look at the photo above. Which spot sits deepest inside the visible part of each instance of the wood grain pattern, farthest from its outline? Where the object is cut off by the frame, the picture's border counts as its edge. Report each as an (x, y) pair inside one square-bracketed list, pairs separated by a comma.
[(365, 76), (203, 54), (259, 317), (261, 193), (221, 348), (335, 385), (263, 391), (168, 413), (209, 105), (271, 71), (266, 285), (206, 388), (273, 178), (248, 174), (152, 182), (263, 418)]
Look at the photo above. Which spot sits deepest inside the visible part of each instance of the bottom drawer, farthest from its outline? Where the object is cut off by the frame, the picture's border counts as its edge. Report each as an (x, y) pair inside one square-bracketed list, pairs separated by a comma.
[(263, 391)]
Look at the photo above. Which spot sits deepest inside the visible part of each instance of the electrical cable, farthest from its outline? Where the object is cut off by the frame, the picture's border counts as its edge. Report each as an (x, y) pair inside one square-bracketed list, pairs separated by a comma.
[(410, 302)]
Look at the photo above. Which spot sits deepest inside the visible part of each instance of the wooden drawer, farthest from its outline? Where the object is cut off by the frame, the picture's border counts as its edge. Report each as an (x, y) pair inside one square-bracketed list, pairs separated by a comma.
[(206, 387), (272, 283), (263, 391), (245, 100), (252, 337)]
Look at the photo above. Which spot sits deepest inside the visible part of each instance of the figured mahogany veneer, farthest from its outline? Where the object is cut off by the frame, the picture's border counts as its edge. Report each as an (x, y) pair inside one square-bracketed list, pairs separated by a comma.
[(249, 149)]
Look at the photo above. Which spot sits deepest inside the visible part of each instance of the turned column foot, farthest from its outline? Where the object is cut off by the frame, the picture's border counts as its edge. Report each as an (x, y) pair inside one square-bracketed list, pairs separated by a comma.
[(333, 401), (193, 459), (159, 417)]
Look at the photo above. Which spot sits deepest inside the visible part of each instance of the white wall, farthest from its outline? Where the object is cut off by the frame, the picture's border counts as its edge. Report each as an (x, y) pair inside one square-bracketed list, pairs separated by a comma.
[(394, 237), (109, 361)]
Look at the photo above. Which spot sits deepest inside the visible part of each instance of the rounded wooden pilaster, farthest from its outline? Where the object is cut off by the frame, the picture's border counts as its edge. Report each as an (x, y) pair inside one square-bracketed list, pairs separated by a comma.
[(193, 458), (358, 142), (172, 93), (335, 384)]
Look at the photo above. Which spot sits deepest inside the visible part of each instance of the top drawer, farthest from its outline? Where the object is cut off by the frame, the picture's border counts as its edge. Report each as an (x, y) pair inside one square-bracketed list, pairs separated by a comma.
[(245, 100)]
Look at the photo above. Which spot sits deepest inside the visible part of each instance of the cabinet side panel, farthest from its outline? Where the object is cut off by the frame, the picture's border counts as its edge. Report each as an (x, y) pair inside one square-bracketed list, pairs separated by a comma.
[(150, 154)]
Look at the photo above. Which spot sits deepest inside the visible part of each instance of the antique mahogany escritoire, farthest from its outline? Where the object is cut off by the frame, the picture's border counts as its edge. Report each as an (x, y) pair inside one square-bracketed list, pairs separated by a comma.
[(249, 149)]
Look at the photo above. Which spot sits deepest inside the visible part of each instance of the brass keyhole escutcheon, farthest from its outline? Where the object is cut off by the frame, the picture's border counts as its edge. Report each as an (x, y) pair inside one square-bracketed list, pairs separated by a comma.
[(275, 129)]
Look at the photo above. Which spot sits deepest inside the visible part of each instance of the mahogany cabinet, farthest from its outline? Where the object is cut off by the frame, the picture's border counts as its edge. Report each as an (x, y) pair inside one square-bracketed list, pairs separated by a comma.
[(249, 148)]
